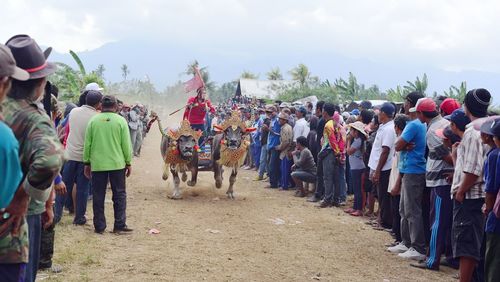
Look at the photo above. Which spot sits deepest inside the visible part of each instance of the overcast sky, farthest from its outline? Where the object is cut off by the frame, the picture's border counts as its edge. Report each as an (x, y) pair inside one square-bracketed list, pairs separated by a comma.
[(449, 35)]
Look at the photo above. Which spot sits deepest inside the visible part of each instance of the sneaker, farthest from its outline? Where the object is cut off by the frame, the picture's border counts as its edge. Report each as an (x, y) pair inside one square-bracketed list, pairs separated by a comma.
[(412, 254), (258, 178), (398, 249)]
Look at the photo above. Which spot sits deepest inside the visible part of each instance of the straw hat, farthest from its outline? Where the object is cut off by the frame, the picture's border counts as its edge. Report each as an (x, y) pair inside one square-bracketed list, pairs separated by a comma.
[(359, 126)]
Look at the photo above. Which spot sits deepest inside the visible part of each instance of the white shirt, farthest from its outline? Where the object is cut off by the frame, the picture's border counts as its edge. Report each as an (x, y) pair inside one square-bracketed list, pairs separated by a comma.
[(301, 128), (386, 137), (78, 121)]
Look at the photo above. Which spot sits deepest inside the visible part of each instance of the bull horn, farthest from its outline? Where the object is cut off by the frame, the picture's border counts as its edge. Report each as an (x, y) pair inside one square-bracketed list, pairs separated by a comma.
[(218, 127)]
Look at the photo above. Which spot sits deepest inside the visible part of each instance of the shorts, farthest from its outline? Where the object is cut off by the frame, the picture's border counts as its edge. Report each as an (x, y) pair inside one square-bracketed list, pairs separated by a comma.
[(468, 228)]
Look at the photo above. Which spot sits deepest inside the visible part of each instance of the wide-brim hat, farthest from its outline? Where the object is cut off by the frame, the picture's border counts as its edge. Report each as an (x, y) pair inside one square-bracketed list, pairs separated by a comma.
[(359, 126), (8, 65), (30, 57)]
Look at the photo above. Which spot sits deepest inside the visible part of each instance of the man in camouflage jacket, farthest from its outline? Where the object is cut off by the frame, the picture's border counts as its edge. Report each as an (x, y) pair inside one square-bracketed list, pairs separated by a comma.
[(41, 154)]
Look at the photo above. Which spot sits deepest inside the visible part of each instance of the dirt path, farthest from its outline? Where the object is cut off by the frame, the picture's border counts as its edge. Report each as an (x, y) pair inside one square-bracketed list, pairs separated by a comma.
[(208, 237)]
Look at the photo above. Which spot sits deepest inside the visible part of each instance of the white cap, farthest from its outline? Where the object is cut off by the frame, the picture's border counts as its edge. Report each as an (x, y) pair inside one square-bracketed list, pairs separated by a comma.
[(93, 86), (414, 109)]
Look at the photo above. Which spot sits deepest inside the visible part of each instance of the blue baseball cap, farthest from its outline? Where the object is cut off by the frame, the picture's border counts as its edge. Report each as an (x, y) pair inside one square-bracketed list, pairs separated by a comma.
[(355, 112), (388, 108), (303, 110), (459, 118), (491, 127)]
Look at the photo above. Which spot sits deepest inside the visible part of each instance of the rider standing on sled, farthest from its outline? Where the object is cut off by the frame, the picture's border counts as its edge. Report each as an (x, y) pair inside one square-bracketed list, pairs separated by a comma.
[(196, 111)]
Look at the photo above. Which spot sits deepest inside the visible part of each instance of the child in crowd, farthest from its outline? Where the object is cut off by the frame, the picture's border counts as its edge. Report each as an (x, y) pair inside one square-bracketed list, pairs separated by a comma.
[(355, 148)]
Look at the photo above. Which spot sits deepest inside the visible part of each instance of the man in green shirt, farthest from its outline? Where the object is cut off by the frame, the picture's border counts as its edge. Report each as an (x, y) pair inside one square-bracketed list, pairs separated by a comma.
[(107, 154)]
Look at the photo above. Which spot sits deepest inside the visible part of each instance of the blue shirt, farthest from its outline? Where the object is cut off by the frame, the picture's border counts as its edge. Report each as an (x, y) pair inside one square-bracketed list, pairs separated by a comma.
[(492, 185), (256, 135), (413, 162), (274, 139), (10, 168)]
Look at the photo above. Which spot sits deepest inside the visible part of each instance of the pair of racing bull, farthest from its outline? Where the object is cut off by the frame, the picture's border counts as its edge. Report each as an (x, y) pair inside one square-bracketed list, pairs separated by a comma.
[(179, 149)]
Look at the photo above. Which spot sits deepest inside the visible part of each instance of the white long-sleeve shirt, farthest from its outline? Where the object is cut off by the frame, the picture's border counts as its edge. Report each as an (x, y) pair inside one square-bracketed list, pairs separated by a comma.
[(301, 128)]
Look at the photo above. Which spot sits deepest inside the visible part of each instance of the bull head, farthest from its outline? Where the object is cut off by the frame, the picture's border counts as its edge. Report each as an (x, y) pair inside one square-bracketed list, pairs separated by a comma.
[(233, 135), (186, 146)]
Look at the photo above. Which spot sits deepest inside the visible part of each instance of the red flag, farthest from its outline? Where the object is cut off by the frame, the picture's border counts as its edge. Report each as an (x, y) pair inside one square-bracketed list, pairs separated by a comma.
[(194, 83)]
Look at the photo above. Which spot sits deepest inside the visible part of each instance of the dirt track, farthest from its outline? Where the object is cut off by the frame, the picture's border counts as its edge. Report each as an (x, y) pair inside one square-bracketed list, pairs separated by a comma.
[(208, 237)]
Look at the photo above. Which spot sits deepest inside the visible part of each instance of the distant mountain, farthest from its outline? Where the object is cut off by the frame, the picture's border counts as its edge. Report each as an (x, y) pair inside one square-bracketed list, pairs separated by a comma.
[(165, 63)]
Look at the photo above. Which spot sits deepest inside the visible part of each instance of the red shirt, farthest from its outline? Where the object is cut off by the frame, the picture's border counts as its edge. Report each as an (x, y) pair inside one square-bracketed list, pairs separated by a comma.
[(198, 110)]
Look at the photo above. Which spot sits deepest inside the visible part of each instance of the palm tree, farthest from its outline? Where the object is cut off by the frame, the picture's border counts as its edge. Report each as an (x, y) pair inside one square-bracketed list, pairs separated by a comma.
[(301, 74), (275, 74), (349, 90), (71, 81), (125, 71), (418, 85), (396, 95), (100, 71), (457, 92), (249, 75)]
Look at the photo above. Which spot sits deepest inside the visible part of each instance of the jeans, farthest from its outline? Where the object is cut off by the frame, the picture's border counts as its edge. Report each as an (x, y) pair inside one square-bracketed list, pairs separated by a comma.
[(73, 174), (99, 183), (286, 169), (13, 272), (263, 163), (356, 181), (410, 209), (34, 234), (274, 168), (256, 149), (331, 178)]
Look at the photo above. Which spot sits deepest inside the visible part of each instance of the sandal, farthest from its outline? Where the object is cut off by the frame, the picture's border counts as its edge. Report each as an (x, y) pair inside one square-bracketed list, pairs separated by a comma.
[(349, 210), (356, 213)]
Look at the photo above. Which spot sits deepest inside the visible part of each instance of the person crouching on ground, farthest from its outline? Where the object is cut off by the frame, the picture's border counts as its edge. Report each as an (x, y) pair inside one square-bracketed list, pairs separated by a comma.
[(304, 167), (107, 154)]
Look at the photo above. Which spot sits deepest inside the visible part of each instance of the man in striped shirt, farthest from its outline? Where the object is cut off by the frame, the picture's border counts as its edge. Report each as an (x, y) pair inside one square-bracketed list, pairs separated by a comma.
[(468, 187)]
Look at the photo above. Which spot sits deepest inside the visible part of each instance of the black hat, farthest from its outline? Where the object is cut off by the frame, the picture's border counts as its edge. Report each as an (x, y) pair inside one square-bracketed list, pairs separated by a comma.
[(93, 97), (366, 105), (477, 102), (108, 101), (413, 97), (30, 57)]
